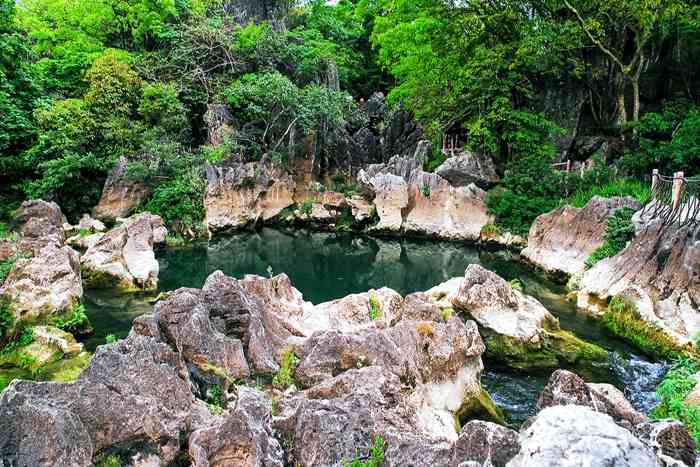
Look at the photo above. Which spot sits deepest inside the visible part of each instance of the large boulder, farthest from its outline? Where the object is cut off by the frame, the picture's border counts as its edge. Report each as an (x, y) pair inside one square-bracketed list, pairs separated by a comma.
[(560, 241), (121, 194), (123, 258), (39, 223), (659, 273), (485, 444), (469, 167), (517, 329), (575, 435), (239, 194)]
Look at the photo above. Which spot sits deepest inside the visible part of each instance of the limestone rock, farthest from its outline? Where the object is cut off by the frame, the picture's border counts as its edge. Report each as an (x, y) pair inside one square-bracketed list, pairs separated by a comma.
[(85, 242), (670, 440), (560, 241), (46, 283), (659, 272), (94, 225), (485, 443), (219, 123), (244, 438), (121, 195), (64, 341), (516, 328), (39, 223), (390, 201), (243, 193), (574, 435), (469, 167), (124, 256)]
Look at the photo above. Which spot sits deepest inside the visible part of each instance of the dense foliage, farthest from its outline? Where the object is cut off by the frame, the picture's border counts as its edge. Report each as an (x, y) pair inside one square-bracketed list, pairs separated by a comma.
[(673, 391), (618, 231)]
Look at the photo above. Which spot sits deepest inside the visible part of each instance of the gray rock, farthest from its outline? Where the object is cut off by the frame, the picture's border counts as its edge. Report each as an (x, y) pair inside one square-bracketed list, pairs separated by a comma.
[(219, 123), (39, 223), (121, 194), (670, 440), (469, 167), (485, 444)]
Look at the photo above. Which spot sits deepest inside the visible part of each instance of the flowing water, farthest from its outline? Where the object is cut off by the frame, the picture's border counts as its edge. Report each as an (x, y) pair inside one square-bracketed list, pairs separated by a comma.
[(325, 266)]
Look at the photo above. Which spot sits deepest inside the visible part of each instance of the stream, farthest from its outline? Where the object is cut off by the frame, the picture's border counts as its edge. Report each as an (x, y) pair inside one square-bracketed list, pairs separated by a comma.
[(326, 266)]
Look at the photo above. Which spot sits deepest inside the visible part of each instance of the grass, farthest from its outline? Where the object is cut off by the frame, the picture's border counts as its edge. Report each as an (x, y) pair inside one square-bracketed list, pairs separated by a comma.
[(375, 309), (620, 187), (376, 455), (673, 390), (111, 460), (490, 230), (284, 378), (622, 319), (6, 267), (174, 241), (73, 320)]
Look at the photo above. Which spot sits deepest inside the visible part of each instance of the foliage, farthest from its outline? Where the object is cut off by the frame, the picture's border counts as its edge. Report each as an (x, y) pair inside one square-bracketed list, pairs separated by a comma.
[(617, 187), (622, 319), (425, 190), (306, 208), (73, 320), (174, 241), (6, 267), (516, 284), (285, 376), (376, 455), (490, 230), (618, 231), (7, 318), (215, 397), (23, 337), (375, 308), (108, 460), (110, 339), (673, 390)]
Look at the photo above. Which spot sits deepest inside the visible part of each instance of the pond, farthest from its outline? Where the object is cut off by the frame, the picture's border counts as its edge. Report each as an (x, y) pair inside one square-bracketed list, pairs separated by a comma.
[(325, 266)]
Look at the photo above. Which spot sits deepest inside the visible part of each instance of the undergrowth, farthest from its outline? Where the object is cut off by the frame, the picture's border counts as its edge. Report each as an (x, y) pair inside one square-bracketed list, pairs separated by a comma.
[(376, 455), (375, 309), (673, 391), (285, 376), (618, 187), (618, 232)]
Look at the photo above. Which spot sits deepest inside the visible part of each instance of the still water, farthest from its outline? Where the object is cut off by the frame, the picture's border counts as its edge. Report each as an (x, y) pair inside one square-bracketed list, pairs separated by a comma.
[(325, 266)]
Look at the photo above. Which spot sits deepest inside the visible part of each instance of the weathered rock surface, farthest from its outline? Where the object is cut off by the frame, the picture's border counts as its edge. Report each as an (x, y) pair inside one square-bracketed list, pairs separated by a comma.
[(85, 242), (659, 272), (39, 223), (124, 257), (574, 435), (219, 123), (469, 167), (51, 336), (243, 438), (516, 328), (560, 241), (670, 440), (484, 444), (239, 194), (121, 194)]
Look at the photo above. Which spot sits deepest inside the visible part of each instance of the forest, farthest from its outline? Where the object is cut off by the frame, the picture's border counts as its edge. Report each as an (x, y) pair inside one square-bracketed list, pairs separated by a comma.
[(529, 83)]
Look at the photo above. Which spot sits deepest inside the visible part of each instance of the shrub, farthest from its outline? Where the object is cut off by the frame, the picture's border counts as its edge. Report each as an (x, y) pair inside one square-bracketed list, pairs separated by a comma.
[(618, 187), (215, 399), (447, 312), (375, 309), (110, 339), (7, 318), (73, 320), (6, 267), (84, 232), (306, 208), (376, 456), (285, 376), (673, 390), (425, 190), (618, 232), (111, 460), (622, 319)]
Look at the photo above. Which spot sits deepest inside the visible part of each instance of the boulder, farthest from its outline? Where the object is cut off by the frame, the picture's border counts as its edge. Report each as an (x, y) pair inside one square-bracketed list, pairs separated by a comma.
[(468, 168), (670, 440), (574, 435), (659, 273), (121, 194), (39, 223), (85, 242), (517, 329), (390, 201), (560, 241), (132, 397), (243, 438), (88, 223), (239, 194), (485, 444), (44, 284), (51, 336), (123, 258), (401, 134)]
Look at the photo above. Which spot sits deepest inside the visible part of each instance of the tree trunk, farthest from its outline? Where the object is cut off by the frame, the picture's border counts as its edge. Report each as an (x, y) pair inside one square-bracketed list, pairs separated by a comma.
[(621, 104)]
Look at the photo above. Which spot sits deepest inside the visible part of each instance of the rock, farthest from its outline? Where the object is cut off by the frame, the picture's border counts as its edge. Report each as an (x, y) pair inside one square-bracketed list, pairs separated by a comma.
[(244, 438), (124, 257), (424, 150), (364, 147), (94, 225), (561, 241), (121, 194), (566, 388), (375, 107), (578, 436), (85, 242), (45, 284), (243, 193), (486, 444), (219, 123), (390, 201), (563, 103), (670, 440), (132, 396), (39, 223), (360, 208), (401, 134), (469, 167), (516, 328), (659, 273), (64, 341)]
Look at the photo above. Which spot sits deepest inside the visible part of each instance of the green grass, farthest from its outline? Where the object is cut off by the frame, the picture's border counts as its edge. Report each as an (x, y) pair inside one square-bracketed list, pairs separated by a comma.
[(622, 319), (376, 455), (111, 460), (375, 309), (71, 321), (673, 390), (620, 187), (285, 376), (490, 230)]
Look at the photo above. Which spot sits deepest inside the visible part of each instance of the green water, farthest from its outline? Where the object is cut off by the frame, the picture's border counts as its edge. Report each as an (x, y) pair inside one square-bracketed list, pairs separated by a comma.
[(327, 266)]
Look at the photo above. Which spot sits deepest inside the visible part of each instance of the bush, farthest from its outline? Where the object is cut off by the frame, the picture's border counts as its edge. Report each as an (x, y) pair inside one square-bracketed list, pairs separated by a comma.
[(7, 318), (673, 390), (285, 376), (376, 456), (618, 187), (6, 267), (111, 460), (618, 232), (215, 399), (73, 320)]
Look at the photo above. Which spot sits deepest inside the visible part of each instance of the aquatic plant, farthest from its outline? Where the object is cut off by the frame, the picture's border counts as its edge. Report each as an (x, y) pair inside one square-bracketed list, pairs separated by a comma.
[(285, 376)]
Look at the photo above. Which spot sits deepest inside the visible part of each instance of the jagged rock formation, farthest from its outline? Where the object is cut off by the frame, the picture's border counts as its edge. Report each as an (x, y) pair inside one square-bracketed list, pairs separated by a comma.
[(560, 241), (516, 328), (416, 202), (45, 279), (469, 167), (659, 273), (121, 195), (123, 258)]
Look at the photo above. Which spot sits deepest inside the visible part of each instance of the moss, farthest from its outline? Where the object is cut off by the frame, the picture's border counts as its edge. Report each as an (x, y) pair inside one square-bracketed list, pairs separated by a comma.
[(218, 372), (480, 407), (93, 279), (67, 370), (622, 319)]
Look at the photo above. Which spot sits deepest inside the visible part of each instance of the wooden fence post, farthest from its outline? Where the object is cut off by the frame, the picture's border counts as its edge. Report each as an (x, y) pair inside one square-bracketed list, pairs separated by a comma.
[(568, 165), (677, 190), (654, 183)]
